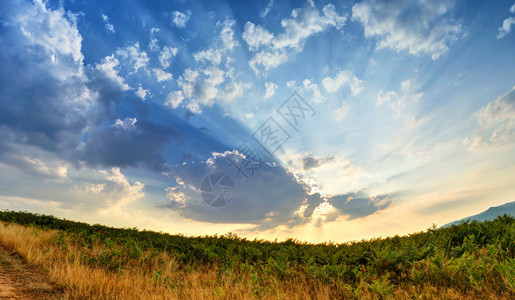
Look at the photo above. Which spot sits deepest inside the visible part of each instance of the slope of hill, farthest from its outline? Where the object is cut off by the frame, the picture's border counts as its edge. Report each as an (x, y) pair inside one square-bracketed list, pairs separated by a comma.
[(489, 214), (465, 261)]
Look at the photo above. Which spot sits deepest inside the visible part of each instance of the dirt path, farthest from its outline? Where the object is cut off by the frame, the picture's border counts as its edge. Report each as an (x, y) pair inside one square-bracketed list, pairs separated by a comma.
[(21, 282)]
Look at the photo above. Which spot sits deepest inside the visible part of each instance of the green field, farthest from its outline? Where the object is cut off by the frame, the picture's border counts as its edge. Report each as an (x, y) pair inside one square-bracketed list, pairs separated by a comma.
[(475, 259)]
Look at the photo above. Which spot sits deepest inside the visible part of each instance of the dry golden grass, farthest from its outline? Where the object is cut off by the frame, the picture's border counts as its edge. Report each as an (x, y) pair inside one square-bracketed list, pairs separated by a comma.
[(64, 269)]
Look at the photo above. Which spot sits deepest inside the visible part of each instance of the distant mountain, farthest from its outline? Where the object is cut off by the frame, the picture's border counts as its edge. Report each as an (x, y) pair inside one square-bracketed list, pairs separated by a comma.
[(489, 214)]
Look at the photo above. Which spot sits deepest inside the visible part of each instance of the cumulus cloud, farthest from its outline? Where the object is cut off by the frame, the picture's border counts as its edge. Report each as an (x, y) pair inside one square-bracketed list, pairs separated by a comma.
[(179, 19), (43, 92), (407, 95), (53, 102), (313, 87), (420, 27), (270, 88), (142, 93), (331, 85), (161, 75), (272, 50), (213, 78), (166, 54), (235, 90), (174, 99), (496, 123), (137, 57)]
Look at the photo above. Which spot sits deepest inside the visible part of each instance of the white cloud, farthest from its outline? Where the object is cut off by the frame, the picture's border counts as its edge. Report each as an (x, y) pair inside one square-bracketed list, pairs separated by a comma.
[(342, 112), (54, 30), (268, 8), (117, 190), (234, 90), (138, 58), (331, 85), (166, 54), (174, 99), (227, 34), (398, 101), (180, 18), (326, 173), (194, 107), (109, 26), (506, 27), (305, 22), (201, 86), (313, 87), (256, 36), (108, 66), (128, 124), (162, 75), (270, 88), (420, 27), (142, 93), (152, 44), (213, 56), (496, 123)]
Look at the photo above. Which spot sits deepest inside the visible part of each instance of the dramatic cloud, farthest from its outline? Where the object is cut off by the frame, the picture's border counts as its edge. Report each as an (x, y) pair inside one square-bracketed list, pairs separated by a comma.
[(420, 27), (128, 143), (52, 101), (270, 198), (271, 51), (43, 92)]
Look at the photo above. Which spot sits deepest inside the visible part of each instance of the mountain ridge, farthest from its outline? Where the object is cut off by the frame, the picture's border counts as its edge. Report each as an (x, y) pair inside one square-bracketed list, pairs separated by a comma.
[(489, 214)]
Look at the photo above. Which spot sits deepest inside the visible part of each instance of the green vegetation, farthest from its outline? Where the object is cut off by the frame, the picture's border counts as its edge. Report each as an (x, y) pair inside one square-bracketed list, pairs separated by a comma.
[(472, 258)]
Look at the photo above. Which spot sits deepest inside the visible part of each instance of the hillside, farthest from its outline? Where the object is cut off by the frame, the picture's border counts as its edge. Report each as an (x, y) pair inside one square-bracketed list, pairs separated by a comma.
[(466, 261), (489, 214)]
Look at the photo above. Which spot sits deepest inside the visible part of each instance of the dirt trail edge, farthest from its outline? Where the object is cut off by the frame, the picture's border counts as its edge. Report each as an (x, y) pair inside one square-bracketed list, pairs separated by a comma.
[(22, 282)]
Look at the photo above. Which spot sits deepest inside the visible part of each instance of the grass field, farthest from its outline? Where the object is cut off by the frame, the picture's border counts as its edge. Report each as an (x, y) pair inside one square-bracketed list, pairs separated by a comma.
[(467, 261)]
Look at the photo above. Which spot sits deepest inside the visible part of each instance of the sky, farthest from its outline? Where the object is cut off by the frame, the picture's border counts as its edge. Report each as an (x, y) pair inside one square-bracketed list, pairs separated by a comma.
[(317, 120)]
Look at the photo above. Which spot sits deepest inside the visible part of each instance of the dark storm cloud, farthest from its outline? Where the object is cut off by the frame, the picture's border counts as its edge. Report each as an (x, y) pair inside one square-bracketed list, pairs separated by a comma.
[(117, 146), (271, 198), (51, 100)]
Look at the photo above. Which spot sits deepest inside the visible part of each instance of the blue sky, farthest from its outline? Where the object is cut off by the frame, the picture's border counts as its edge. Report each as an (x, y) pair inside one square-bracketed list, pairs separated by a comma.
[(115, 112)]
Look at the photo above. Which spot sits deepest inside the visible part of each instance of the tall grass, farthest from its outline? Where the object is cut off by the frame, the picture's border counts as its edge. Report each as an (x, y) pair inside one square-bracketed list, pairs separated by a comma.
[(466, 261)]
